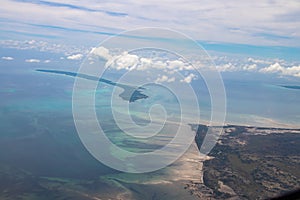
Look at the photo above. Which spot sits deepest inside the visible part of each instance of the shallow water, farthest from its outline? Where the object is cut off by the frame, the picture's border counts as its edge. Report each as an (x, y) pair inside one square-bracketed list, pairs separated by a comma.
[(38, 133)]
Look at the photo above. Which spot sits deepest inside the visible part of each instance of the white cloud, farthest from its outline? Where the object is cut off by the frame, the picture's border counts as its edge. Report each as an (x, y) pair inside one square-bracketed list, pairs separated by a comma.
[(31, 42), (226, 67), (42, 46), (32, 60), (274, 68), (161, 79), (179, 65), (158, 64), (128, 61), (277, 68), (146, 63), (47, 61), (124, 61), (7, 58), (251, 67), (172, 79), (259, 61), (75, 57), (292, 71), (164, 78), (233, 19), (189, 78), (101, 52)]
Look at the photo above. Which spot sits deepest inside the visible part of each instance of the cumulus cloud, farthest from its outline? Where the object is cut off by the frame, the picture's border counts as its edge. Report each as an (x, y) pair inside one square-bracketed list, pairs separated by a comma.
[(268, 66), (146, 63), (32, 60), (47, 61), (251, 67), (7, 58), (130, 61), (164, 78), (179, 65), (277, 68), (168, 67), (31, 42), (124, 61), (156, 64), (43, 46), (75, 57), (172, 79), (274, 68), (189, 78), (259, 61), (226, 67), (102, 52), (292, 71)]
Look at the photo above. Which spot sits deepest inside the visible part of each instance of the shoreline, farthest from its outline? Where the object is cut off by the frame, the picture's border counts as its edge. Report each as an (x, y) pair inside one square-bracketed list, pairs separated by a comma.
[(186, 174)]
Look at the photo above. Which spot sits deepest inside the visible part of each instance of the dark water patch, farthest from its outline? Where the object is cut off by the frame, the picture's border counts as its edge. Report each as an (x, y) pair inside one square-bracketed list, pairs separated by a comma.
[(43, 156), (295, 87), (50, 147)]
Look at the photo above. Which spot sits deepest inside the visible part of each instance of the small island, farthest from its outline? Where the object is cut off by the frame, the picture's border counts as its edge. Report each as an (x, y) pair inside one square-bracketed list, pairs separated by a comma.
[(295, 87)]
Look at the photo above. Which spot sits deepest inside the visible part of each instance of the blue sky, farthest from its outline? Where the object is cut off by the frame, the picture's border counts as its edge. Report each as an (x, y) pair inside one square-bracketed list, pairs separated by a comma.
[(265, 33)]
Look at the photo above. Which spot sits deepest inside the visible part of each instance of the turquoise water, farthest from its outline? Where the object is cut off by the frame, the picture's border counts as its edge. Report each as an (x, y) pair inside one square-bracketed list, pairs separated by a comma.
[(38, 105), (248, 102), (259, 103), (38, 134)]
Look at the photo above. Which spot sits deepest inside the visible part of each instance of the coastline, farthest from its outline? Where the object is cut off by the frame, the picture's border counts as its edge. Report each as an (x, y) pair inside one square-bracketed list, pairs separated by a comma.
[(253, 163), (186, 175), (181, 180)]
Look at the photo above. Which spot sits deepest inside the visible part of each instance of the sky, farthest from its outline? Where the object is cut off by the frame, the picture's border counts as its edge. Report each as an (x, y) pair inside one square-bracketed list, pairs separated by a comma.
[(251, 36)]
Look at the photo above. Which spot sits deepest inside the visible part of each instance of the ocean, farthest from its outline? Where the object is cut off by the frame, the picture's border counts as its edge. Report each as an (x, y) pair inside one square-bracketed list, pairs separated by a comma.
[(38, 135)]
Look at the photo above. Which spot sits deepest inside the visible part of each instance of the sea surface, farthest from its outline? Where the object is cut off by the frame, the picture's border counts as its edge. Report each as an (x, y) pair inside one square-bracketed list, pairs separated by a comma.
[(38, 135)]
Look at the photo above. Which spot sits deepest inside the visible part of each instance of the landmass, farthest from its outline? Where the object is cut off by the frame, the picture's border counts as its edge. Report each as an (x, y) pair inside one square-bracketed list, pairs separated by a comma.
[(246, 163), (252, 162), (296, 87), (130, 93)]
